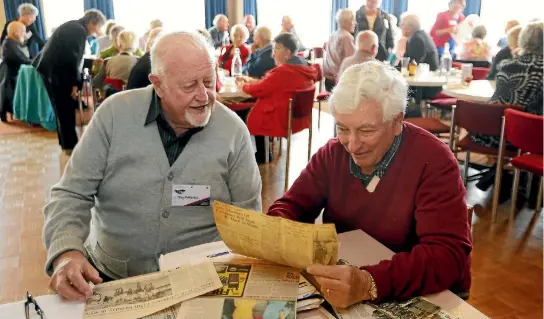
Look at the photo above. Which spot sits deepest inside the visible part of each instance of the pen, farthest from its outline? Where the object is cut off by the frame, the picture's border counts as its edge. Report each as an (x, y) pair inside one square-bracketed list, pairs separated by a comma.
[(219, 254)]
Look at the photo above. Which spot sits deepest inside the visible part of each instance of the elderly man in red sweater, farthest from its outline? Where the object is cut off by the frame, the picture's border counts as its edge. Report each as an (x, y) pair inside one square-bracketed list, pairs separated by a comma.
[(391, 179)]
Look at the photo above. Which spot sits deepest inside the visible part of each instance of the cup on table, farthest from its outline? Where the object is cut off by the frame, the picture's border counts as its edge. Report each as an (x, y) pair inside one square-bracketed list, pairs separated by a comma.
[(423, 70), (404, 66), (466, 74)]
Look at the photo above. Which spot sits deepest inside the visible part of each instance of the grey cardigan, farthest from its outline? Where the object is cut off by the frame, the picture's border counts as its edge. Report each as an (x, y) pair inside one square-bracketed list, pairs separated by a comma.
[(114, 201)]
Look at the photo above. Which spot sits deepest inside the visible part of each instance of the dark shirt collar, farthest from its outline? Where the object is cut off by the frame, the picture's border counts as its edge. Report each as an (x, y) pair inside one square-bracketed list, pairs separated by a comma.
[(155, 113), (382, 166)]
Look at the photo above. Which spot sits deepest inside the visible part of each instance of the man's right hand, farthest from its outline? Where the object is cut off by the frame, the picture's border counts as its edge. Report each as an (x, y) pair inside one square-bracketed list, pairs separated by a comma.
[(71, 273)]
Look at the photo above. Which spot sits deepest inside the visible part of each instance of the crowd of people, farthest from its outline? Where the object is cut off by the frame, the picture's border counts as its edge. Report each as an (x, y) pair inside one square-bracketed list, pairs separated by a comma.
[(112, 213)]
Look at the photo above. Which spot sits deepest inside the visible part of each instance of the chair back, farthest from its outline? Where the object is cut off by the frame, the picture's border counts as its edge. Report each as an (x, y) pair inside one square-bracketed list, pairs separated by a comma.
[(117, 84), (524, 130), (303, 102), (483, 118), (319, 71), (317, 53), (479, 73)]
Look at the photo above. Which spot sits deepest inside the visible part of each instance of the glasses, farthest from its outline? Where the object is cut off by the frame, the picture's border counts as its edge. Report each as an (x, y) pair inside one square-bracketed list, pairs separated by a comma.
[(30, 300)]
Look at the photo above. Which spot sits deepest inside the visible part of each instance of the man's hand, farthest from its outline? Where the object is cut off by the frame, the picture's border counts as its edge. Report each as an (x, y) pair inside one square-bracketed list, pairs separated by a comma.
[(342, 285), (72, 272), (74, 92), (253, 48)]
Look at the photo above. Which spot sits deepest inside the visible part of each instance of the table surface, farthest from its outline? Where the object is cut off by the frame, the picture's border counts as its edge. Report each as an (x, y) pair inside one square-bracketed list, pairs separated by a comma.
[(477, 91), (431, 80), (356, 247), (232, 91), (352, 245)]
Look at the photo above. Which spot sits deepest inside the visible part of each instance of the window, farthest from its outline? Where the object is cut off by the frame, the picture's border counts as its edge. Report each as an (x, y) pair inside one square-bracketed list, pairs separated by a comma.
[(56, 12), (427, 11), (311, 18), (495, 15), (135, 15)]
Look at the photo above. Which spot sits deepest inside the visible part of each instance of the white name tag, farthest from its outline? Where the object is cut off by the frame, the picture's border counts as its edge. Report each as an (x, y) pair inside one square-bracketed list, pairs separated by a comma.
[(190, 195), (28, 35), (373, 184)]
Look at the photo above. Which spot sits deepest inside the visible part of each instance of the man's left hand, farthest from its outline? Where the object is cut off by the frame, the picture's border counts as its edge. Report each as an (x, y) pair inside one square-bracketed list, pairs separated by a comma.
[(342, 285)]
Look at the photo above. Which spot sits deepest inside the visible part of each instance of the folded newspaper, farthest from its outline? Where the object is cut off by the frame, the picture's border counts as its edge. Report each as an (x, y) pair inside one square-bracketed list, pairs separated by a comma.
[(144, 295), (415, 308)]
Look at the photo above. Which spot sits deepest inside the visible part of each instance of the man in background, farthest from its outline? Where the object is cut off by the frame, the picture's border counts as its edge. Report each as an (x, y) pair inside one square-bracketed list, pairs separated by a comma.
[(249, 21), (220, 30), (366, 49), (261, 59)]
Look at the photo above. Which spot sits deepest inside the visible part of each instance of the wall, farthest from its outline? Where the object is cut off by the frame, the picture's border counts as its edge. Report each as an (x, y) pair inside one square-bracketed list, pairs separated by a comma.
[(2, 14), (235, 11)]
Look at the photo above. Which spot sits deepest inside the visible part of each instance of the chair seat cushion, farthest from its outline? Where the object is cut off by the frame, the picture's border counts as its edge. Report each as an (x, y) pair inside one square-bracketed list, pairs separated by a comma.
[(466, 144), (240, 106), (324, 95), (443, 103), (529, 162), (441, 95), (432, 125)]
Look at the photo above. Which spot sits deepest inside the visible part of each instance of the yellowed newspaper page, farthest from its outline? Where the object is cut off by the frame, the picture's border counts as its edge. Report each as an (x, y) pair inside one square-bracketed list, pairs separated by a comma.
[(275, 239), (140, 296)]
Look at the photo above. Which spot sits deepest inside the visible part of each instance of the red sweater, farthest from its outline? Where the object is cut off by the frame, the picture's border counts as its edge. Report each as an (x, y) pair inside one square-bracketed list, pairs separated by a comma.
[(225, 60), (444, 20), (418, 210)]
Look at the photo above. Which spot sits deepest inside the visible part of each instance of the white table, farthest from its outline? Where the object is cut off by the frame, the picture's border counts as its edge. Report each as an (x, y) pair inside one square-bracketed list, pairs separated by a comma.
[(426, 81), (359, 249), (477, 91), (232, 91)]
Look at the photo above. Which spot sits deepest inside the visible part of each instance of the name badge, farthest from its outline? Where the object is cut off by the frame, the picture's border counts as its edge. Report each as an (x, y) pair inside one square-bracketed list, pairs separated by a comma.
[(386, 23), (373, 184), (453, 22), (191, 195)]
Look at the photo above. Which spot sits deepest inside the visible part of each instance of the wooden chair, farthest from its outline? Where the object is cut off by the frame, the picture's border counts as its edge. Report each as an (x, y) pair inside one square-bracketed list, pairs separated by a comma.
[(524, 131), (482, 118), (430, 124), (322, 94)]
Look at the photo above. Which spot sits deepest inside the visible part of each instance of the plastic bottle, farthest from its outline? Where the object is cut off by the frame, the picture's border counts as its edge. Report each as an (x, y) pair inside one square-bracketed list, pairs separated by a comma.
[(236, 66), (446, 60)]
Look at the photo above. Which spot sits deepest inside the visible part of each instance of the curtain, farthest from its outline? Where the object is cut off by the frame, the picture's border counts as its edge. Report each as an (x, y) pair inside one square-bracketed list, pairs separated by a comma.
[(337, 5), (250, 7), (10, 6), (395, 7), (473, 7), (213, 8), (105, 6)]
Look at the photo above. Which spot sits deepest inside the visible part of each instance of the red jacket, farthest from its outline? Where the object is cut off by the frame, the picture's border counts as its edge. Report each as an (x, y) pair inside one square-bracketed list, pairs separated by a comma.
[(444, 20), (418, 210), (269, 116), (225, 60)]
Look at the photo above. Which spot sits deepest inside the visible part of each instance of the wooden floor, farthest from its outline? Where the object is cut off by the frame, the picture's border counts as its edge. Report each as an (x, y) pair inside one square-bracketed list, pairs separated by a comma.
[(507, 258)]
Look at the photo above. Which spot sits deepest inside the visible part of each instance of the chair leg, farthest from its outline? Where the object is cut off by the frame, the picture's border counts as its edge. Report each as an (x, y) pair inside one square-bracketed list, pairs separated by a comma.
[(467, 166), (287, 162), (539, 197), (266, 149), (498, 174), (310, 140), (319, 116), (514, 196), (281, 146)]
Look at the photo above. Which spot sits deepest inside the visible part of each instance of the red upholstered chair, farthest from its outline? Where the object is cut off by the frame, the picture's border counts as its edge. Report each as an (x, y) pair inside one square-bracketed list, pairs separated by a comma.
[(524, 131), (322, 95), (117, 84), (479, 73), (430, 124), (483, 118), (317, 53)]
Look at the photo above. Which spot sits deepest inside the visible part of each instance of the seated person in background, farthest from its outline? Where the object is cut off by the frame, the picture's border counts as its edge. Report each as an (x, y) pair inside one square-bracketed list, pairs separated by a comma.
[(366, 50), (260, 61), (14, 54), (116, 195), (220, 31), (507, 53), (139, 76), (419, 213), (105, 40), (503, 42), (269, 115), (340, 46), (113, 50), (464, 30), (27, 16), (420, 46), (238, 36), (287, 26), (519, 80), (477, 49), (119, 67), (249, 22), (143, 40)]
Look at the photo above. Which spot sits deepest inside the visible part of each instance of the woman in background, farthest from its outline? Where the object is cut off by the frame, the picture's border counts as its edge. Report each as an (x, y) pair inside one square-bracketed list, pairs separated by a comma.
[(144, 39), (477, 49), (13, 56), (371, 17), (507, 53), (239, 35)]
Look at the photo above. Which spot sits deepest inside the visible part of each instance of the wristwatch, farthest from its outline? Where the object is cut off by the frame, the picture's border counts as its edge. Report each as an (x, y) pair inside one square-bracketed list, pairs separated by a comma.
[(373, 291)]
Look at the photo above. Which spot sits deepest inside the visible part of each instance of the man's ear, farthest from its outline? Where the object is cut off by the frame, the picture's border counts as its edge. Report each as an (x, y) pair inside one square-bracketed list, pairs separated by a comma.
[(397, 123), (157, 84)]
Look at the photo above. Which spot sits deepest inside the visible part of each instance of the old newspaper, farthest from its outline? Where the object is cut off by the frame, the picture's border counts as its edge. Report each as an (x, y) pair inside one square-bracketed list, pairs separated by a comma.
[(275, 239), (141, 296)]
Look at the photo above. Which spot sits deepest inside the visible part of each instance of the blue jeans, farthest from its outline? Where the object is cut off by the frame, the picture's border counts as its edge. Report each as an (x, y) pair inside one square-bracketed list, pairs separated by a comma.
[(452, 49)]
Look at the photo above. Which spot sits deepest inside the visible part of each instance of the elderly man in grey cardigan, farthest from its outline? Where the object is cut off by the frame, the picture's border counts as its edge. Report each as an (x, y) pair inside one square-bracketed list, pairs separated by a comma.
[(143, 178)]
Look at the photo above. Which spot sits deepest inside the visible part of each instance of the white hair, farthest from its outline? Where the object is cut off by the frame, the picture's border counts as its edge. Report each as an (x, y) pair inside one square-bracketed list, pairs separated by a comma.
[(343, 15), (365, 40), (27, 8), (530, 37), (217, 18), (240, 28), (370, 81), (412, 20), (180, 39)]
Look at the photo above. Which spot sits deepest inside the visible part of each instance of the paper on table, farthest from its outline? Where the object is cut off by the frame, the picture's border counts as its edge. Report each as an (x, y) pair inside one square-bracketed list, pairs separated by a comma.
[(147, 294), (276, 239), (53, 306), (175, 259)]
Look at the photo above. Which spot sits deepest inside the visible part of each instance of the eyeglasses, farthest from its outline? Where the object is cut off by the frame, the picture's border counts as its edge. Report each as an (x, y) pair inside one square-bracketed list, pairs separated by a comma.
[(30, 300)]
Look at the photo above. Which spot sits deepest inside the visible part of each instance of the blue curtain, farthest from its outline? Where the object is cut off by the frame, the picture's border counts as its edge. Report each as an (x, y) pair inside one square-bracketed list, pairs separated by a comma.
[(105, 6), (395, 7), (213, 8), (473, 7), (337, 5), (10, 6), (250, 7)]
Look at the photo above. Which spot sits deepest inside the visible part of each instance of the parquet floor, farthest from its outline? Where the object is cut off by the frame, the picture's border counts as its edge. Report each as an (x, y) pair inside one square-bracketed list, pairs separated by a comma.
[(507, 258)]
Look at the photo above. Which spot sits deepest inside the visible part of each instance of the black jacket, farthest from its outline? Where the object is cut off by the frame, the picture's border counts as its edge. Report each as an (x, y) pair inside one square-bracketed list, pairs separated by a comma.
[(34, 38), (61, 59), (139, 76), (503, 54), (260, 62), (382, 27), (13, 55), (421, 48)]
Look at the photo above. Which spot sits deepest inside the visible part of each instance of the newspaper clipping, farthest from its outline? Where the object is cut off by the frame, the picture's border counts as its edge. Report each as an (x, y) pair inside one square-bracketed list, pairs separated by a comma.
[(415, 308), (276, 239), (147, 294), (248, 291)]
